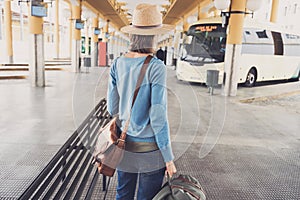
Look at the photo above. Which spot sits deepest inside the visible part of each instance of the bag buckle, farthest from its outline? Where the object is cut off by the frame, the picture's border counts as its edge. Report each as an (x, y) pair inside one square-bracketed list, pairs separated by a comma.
[(120, 140), (95, 160)]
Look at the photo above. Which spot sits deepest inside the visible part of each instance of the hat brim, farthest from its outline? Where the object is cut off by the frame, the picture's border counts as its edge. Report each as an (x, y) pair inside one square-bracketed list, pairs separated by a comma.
[(164, 28)]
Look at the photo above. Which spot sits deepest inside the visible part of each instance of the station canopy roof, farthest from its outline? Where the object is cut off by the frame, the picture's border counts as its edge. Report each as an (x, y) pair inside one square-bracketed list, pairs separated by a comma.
[(119, 12)]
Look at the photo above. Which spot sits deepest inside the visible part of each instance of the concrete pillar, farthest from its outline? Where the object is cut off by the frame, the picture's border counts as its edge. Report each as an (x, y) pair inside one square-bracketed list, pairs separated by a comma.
[(113, 44), (185, 24), (36, 48), (176, 43), (21, 23), (1, 21), (118, 45), (86, 45), (56, 35), (8, 30), (274, 12), (76, 14), (116, 48), (121, 48), (94, 43), (233, 48), (170, 52)]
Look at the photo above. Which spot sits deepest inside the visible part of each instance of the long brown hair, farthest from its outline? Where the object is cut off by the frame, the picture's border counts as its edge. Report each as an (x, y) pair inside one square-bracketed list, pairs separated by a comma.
[(142, 43)]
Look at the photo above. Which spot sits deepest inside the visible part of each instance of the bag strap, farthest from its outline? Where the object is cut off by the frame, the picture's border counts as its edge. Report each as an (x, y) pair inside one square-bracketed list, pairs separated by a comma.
[(136, 91), (141, 78)]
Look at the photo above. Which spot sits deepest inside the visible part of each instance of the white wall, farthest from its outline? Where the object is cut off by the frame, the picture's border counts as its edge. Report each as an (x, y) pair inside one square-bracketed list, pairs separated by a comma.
[(20, 47), (288, 13)]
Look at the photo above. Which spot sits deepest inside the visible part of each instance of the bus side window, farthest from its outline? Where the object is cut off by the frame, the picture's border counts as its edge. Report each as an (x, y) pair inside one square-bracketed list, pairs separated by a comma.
[(278, 44), (262, 34)]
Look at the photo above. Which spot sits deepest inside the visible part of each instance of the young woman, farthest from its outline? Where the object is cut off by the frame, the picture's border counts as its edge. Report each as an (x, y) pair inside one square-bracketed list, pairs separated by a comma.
[(148, 154)]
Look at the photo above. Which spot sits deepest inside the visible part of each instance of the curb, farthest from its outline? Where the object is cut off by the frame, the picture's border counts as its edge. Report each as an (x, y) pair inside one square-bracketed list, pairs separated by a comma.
[(27, 69), (272, 97), (13, 77), (24, 64)]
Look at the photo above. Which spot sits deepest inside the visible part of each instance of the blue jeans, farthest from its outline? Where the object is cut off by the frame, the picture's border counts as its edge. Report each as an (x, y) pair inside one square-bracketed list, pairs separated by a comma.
[(149, 184)]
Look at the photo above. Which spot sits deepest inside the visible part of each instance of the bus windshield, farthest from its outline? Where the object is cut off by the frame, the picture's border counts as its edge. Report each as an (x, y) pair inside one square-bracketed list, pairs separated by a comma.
[(204, 43)]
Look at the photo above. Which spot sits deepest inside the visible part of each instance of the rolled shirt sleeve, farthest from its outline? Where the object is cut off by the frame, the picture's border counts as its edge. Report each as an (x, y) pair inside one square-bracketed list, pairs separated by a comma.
[(158, 111), (112, 92)]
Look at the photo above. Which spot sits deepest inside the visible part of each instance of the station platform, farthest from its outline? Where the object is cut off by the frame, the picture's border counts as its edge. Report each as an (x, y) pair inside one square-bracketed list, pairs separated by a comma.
[(239, 148)]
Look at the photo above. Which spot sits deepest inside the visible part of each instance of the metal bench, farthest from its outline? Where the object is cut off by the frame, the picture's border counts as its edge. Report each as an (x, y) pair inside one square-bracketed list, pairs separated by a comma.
[(70, 174)]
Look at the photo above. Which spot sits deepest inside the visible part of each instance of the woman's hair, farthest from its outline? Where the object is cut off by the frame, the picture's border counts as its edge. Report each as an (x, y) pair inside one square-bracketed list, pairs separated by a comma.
[(142, 43)]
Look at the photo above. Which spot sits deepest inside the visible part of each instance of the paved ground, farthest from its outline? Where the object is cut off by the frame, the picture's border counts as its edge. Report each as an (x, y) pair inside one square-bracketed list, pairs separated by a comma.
[(244, 147)]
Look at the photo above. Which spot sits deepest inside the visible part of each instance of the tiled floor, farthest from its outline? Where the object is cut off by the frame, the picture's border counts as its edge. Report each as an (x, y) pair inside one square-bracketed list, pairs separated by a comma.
[(236, 150)]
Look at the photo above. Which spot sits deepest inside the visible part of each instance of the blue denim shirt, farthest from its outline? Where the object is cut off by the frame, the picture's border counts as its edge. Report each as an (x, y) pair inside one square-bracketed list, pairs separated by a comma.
[(149, 121)]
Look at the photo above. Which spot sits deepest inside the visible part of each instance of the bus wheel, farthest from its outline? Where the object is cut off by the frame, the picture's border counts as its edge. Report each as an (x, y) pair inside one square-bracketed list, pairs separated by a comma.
[(251, 78)]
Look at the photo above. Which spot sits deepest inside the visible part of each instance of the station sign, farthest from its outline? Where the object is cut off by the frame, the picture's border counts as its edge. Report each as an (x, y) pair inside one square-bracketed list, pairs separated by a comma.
[(38, 8), (97, 31), (79, 24)]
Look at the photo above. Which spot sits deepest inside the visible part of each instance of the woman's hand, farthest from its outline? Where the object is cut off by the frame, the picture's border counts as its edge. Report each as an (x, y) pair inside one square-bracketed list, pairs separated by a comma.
[(171, 168)]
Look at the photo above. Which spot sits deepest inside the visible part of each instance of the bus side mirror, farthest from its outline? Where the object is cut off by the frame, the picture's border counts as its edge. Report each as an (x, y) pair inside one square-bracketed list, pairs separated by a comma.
[(225, 18)]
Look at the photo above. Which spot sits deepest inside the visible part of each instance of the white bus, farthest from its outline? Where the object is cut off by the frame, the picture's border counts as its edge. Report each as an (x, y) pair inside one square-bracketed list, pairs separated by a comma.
[(268, 52)]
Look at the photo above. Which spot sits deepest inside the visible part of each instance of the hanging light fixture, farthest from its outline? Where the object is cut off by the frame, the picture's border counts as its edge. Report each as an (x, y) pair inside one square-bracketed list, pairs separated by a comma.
[(253, 5), (221, 4)]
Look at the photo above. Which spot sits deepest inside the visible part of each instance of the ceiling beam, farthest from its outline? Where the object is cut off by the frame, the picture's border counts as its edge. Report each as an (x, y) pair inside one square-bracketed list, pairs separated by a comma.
[(110, 12), (179, 9)]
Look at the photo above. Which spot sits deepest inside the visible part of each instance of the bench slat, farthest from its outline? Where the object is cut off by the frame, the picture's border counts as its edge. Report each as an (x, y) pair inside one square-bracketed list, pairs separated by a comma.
[(56, 177), (85, 179), (77, 149), (62, 173)]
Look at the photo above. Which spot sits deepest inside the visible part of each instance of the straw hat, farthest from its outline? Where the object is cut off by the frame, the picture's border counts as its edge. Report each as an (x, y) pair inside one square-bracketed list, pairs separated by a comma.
[(147, 20)]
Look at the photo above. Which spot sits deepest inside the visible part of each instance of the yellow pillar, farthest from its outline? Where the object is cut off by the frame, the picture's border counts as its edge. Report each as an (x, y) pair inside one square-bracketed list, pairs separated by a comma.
[(199, 12), (213, 10), (233, 48), (236, 22), (57, 39), (76, 43), (95, 23), (275, 4), (217, 13), (36, 25), (105, 31), (8, 30), (201, 15), (76, 14)]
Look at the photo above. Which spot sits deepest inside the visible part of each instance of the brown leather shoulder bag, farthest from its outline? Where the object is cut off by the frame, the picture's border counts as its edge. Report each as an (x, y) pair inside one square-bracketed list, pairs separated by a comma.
[(109, 148)]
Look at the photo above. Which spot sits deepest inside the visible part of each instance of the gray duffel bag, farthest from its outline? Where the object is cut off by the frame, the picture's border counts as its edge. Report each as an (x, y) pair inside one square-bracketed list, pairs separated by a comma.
[(183, 187)]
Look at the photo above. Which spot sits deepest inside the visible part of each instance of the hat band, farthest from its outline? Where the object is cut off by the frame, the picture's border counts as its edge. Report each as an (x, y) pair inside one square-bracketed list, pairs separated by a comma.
[(148, 27)]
